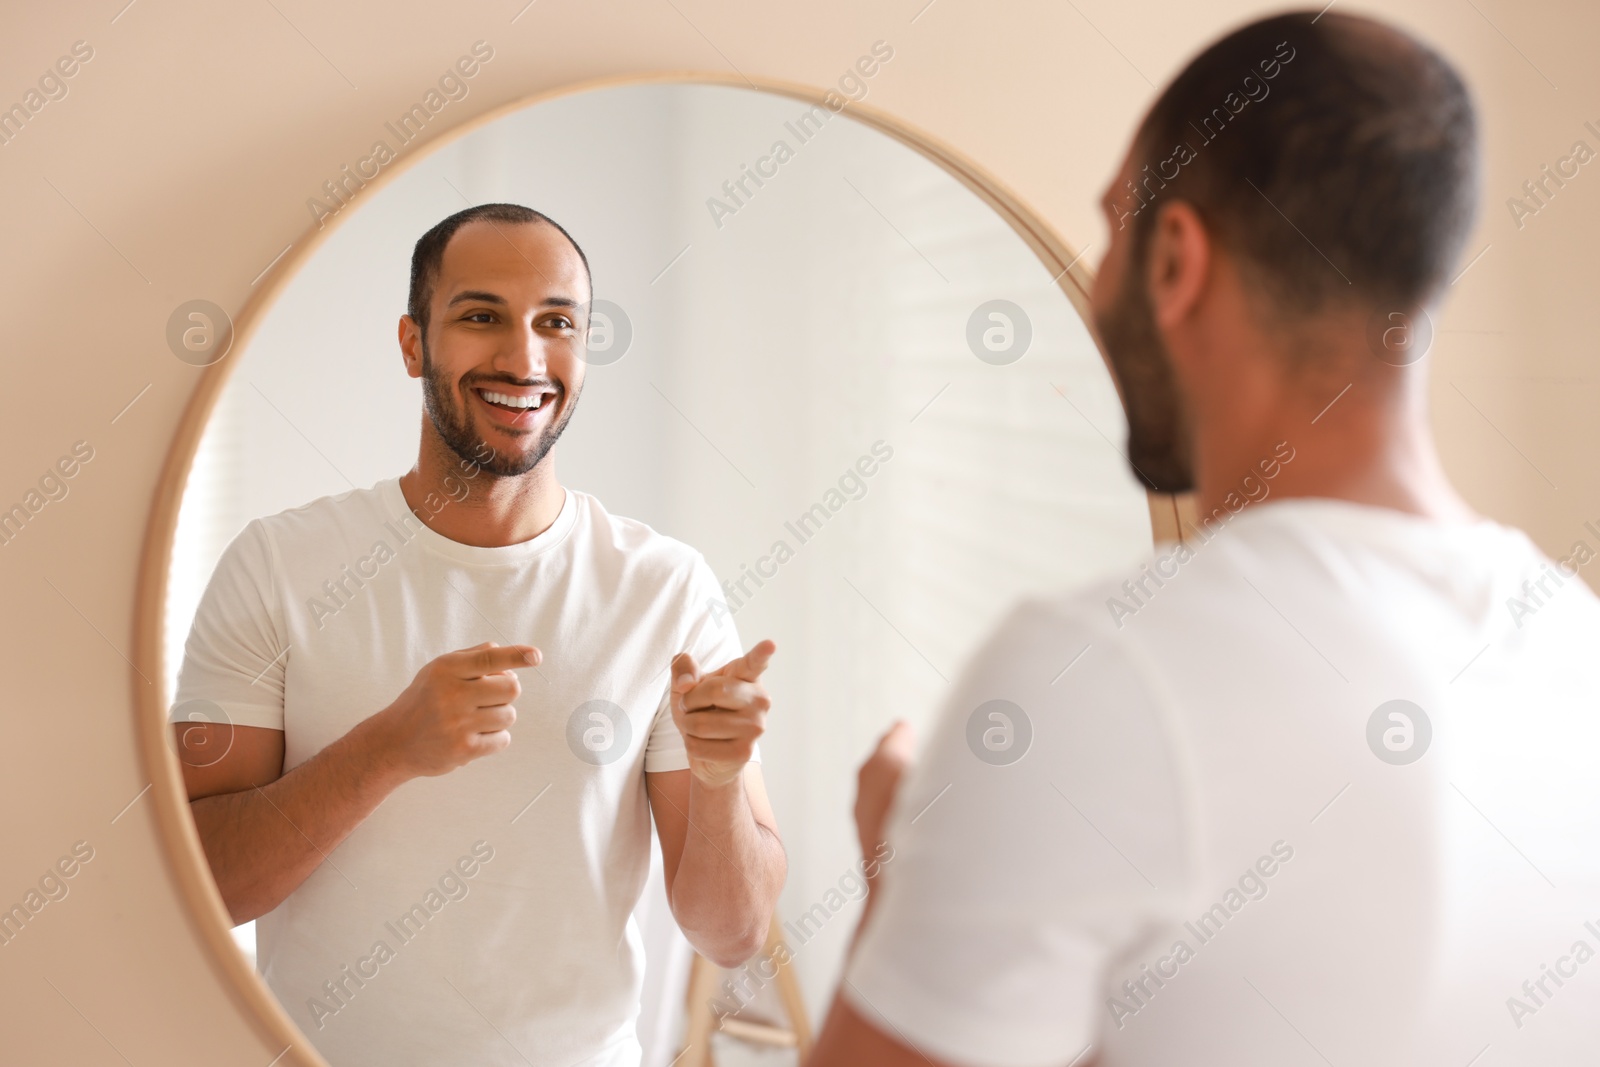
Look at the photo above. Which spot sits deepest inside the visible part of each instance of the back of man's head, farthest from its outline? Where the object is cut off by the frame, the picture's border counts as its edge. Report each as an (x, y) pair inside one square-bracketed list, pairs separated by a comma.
[(1334, 158)]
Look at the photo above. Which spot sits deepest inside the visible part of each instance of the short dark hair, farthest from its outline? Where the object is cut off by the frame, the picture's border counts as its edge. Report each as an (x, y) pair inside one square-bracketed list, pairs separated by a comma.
[(429, 252), (1349, 174)]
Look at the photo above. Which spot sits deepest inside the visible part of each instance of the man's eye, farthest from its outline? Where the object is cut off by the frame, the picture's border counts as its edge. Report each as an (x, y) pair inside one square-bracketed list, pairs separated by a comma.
[(560, 322), (480, 316)]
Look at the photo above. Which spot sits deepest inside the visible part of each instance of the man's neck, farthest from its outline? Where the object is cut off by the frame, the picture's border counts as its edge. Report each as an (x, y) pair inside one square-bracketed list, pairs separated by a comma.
[(1368, 445), (460, 500)]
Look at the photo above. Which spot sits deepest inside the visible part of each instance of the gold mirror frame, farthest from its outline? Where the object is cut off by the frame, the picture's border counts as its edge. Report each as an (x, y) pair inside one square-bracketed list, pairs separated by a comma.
[(185, 857)]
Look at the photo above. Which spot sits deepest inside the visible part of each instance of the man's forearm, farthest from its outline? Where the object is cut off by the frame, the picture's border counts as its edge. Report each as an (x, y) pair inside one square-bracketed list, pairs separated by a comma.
[(263, 842), (729, 876)]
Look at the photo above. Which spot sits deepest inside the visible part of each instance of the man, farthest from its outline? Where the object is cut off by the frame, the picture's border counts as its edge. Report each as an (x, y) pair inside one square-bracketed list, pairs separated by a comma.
[(444, 871), (1316, 786)]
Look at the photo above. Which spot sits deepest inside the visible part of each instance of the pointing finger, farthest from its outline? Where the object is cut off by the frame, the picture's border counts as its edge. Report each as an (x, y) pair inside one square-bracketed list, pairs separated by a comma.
[(489, 658), (749, 667), (897, 745)]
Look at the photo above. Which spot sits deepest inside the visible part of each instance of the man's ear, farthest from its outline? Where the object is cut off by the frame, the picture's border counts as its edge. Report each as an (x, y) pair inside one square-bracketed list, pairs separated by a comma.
[(411, 345), (1179, 265)]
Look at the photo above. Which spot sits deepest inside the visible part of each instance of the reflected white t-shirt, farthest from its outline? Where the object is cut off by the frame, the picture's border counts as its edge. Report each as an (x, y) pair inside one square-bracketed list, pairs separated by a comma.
[(1212, 849), (483, 916)]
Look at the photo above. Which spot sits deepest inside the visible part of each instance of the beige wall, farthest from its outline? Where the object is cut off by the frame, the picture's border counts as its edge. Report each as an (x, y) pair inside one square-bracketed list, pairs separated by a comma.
[(179, 164)]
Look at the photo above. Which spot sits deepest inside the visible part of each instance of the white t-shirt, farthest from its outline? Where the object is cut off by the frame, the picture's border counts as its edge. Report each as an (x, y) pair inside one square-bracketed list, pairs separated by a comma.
[(483, 916), (1212, 849)]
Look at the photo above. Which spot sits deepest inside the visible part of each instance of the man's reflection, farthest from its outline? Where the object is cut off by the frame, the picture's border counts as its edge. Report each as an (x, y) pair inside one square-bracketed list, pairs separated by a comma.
[(427, 890)]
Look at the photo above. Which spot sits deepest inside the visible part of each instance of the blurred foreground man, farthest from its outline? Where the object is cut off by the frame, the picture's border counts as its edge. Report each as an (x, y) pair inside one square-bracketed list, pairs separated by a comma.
[(443, 828), (1316, 786)]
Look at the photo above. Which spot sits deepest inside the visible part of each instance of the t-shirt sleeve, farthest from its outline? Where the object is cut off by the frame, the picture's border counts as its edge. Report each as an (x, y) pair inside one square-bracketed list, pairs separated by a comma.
[(713, 640), (235, 656), (1041, 835)]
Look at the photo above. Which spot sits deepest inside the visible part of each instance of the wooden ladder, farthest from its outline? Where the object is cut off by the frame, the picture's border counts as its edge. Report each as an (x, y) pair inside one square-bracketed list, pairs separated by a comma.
[(704, 1019)]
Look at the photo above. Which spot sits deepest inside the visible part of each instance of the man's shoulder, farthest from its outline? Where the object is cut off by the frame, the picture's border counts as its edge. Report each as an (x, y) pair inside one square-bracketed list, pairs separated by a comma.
[(327, 525), (1177, 592), (1048, 636), (328, 519), (1330, 568), (1088, 609), (635, 544)]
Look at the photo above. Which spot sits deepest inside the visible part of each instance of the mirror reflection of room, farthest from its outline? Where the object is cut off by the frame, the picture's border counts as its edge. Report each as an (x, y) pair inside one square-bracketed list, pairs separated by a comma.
[(835, 417)]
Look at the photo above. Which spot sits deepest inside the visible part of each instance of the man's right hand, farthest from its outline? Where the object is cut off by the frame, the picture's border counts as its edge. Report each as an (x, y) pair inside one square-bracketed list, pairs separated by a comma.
[(265, 830), (878, 781), (457, 709)]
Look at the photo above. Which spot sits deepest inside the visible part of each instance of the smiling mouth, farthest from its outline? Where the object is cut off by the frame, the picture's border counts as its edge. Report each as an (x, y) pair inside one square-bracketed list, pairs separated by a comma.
[(517, 403)]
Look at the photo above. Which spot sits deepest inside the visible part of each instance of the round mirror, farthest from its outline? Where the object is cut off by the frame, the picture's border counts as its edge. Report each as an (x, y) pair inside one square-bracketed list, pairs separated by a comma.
[(817, 358)]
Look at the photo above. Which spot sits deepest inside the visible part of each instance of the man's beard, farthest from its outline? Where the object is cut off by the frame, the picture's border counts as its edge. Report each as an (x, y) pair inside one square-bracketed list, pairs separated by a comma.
[(455, 429), (1158, 426)]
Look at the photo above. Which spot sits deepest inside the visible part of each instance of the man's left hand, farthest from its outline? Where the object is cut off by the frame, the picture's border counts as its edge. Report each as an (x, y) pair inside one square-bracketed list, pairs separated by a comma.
[(721, 714)]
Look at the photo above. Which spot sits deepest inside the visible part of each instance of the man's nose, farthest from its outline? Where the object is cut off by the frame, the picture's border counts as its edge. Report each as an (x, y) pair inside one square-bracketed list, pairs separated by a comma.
[(524, 355)]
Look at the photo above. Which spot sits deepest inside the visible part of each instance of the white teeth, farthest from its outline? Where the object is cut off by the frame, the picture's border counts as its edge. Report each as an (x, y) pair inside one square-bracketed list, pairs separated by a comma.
[(530, 402)]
